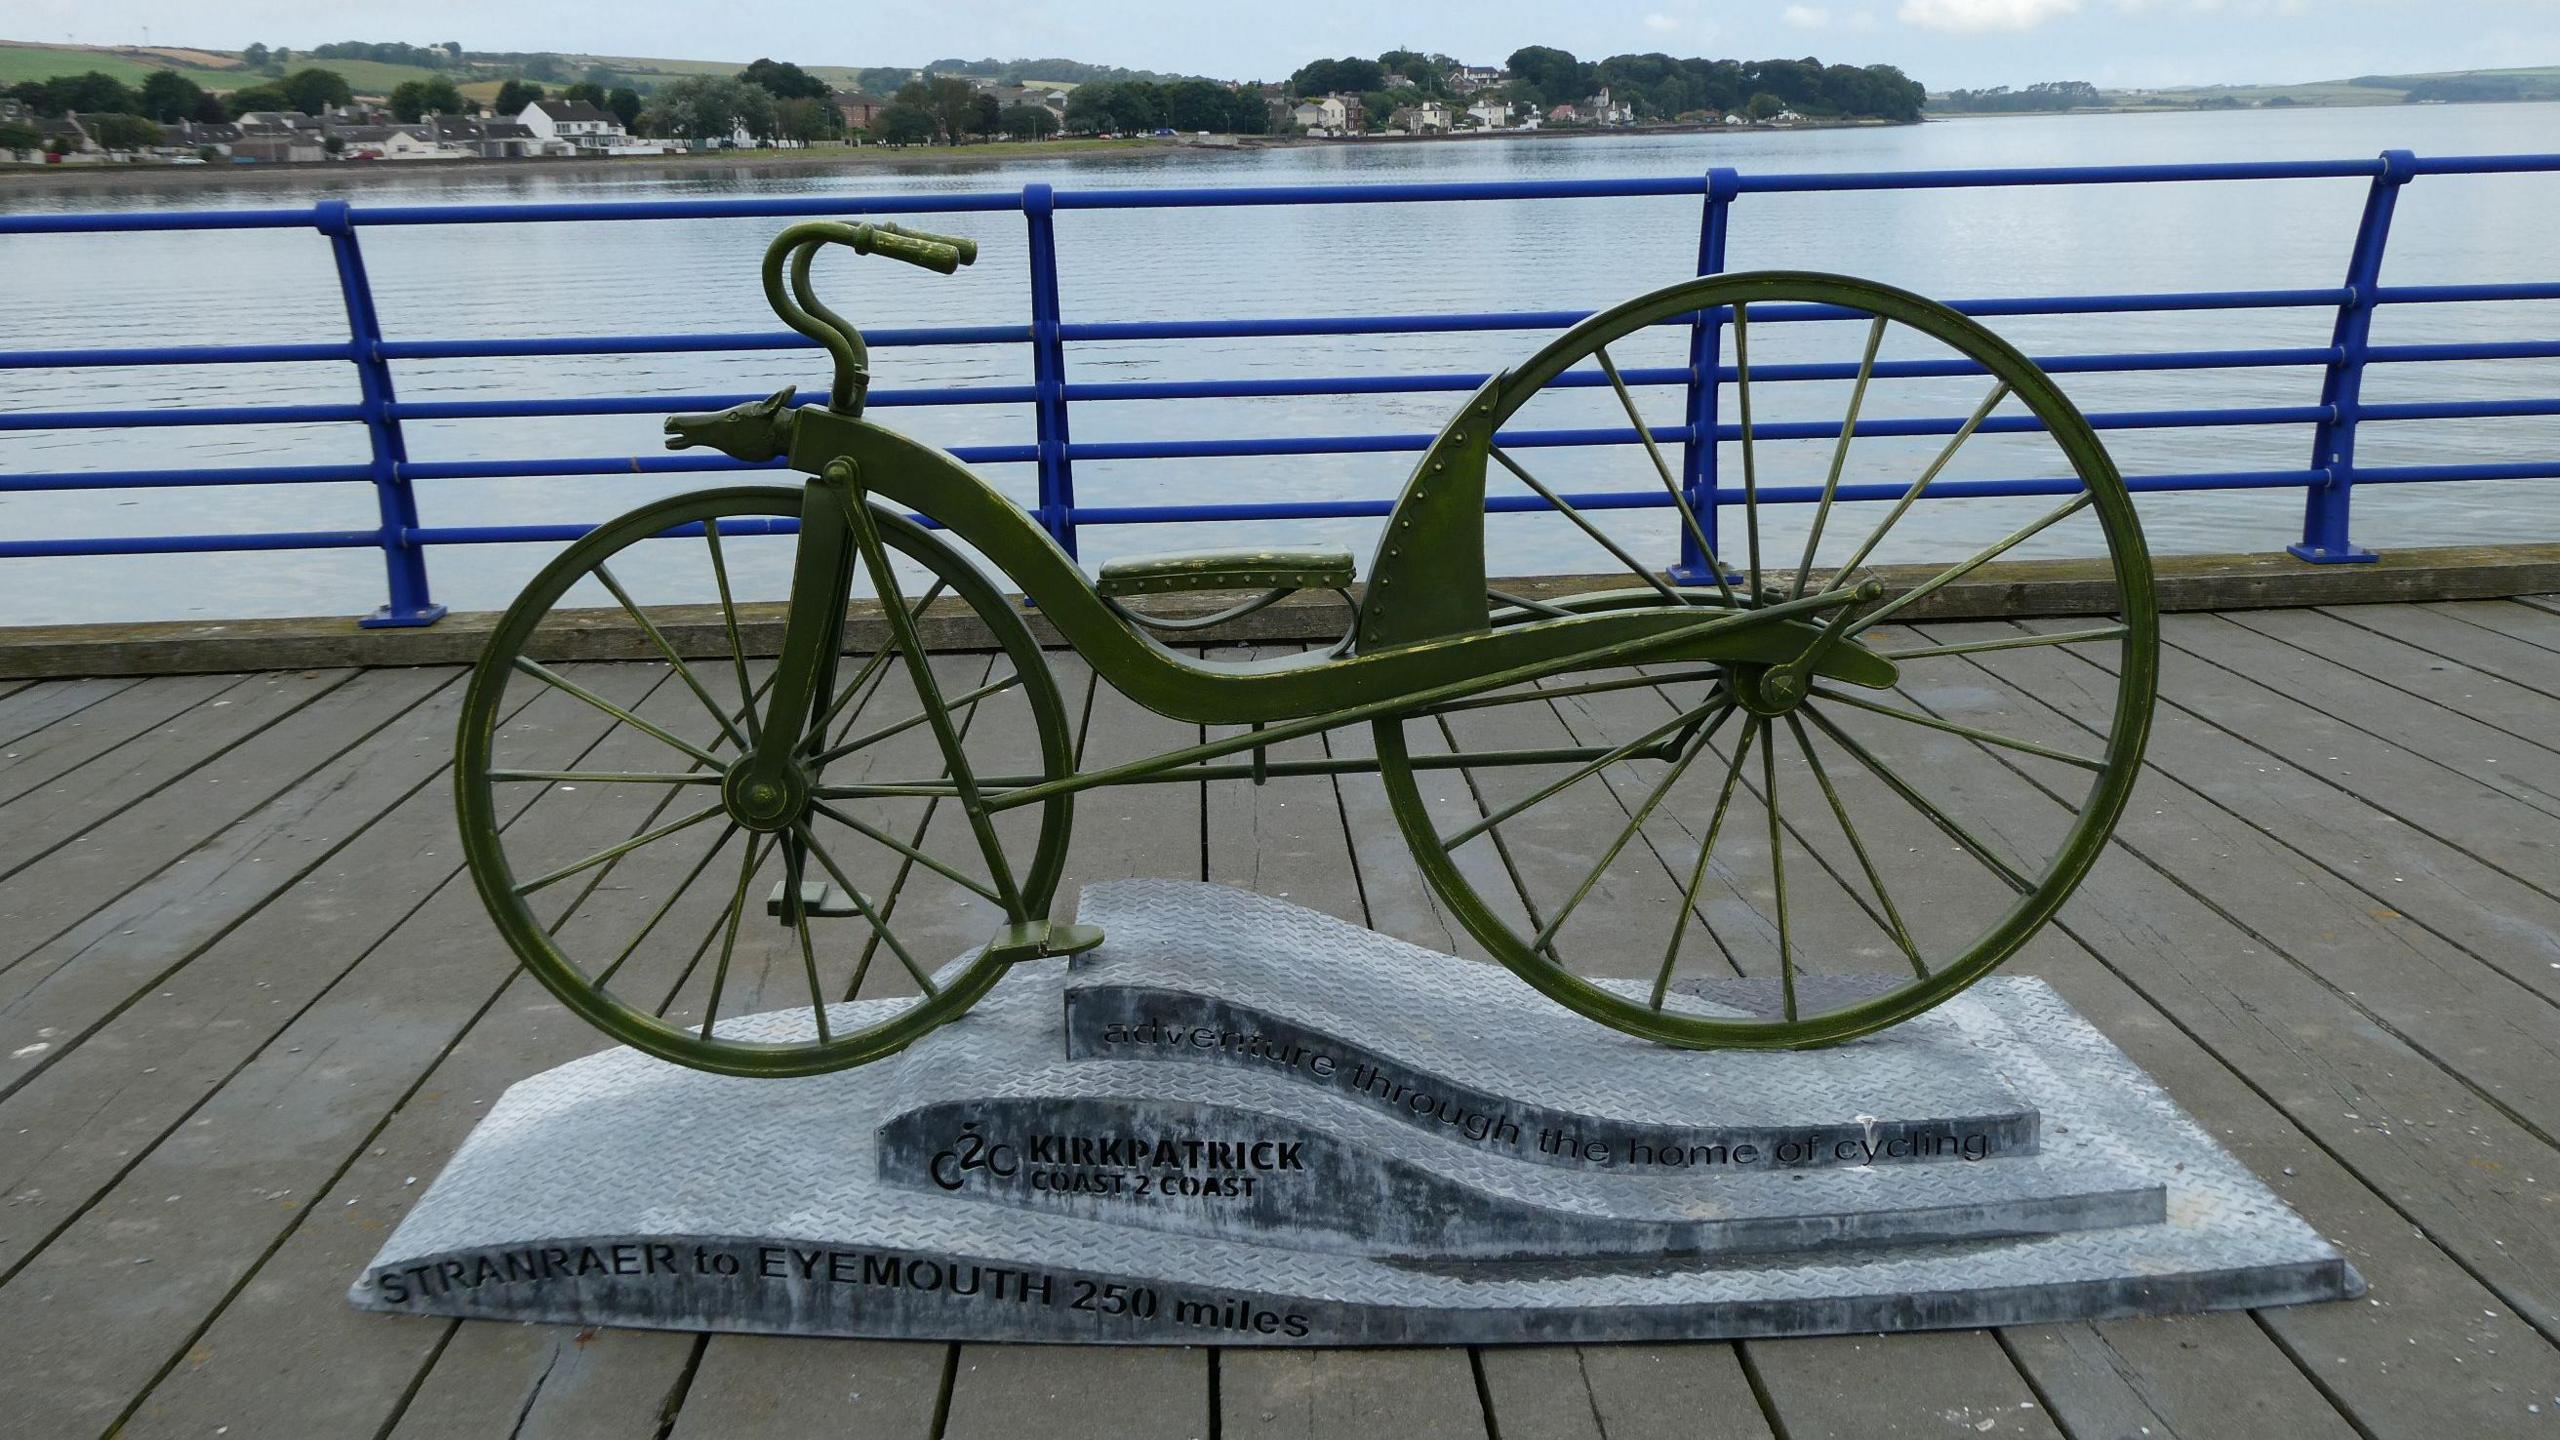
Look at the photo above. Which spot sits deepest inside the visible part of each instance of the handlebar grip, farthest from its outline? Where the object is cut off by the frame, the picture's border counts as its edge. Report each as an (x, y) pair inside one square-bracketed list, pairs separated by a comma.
[(915, 250), (967, 248)]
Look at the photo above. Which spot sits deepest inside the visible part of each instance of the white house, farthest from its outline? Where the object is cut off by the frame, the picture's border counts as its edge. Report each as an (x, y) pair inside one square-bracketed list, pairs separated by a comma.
[(1491, 114), (1601, 110), (1327, 116), (1468, 79), (583, 128), (1428, 118)]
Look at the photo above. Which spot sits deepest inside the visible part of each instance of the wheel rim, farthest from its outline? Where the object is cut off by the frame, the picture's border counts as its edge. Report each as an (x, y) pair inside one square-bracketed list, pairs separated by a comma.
[(1649, 816), (643, 893)]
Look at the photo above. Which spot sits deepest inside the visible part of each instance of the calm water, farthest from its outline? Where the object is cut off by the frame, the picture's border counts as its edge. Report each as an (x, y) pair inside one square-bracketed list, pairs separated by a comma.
[(699, 275)]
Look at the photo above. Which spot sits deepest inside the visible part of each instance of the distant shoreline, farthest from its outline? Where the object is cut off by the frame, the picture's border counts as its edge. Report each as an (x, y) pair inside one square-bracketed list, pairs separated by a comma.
[(65, 179)]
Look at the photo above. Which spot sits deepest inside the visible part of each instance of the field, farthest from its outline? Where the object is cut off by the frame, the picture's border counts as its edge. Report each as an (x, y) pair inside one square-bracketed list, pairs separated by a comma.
[(24, 60), (2538, 83)]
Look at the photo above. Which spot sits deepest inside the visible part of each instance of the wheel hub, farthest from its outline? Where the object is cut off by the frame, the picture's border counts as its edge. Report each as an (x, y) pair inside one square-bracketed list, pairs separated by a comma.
[(765, 800), (1766, 690)]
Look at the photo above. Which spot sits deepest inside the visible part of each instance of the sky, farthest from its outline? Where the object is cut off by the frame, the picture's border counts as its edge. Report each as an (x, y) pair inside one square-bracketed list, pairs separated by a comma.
[(1945, 44)]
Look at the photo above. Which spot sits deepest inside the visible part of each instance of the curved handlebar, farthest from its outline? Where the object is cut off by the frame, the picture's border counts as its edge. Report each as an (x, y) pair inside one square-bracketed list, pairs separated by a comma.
[(799, 307)]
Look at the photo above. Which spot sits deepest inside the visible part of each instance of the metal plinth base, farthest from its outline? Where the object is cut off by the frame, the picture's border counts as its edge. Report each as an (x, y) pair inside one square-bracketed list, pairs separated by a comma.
[(1244, 1122)]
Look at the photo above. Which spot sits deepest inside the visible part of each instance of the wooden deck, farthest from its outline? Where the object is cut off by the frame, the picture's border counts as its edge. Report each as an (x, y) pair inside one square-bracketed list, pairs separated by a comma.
[(249, 1005)]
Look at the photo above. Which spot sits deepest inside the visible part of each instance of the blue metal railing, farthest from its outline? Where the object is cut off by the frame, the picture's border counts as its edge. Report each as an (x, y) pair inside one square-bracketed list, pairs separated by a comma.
[(2328, 479)]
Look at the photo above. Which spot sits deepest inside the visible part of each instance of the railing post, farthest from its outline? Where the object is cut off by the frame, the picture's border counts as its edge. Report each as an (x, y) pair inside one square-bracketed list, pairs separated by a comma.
[(410, 603), (1057, 507), (2325, 512), (1706, 344)]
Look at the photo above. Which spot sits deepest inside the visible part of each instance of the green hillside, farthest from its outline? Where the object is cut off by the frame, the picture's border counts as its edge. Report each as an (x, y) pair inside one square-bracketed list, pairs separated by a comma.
[(2535, 83)]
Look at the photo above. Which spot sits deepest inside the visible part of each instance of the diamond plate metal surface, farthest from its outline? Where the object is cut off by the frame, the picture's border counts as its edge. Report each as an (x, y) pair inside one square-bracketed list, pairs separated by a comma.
[(618, 1189)]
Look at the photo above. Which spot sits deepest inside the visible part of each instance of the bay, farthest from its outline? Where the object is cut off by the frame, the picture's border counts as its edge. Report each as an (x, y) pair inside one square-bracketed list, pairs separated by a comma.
[(454, 282)]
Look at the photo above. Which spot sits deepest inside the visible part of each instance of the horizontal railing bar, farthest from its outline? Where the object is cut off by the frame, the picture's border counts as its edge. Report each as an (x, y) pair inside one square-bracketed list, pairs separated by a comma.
[(2456, 410), (2466, 350), (172, 479), (1176, 198), (663, 404), (658, 464), (192, 415), (174, 355), (885, 339), (2450, 294), (192, 544)]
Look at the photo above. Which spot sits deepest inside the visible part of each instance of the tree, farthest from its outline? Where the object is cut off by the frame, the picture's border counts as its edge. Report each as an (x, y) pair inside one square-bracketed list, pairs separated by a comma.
[(453, 50), (585, 92), (123, 132), (1197, 105), (1326, 77), (882, 79), (209, 109), (436, 95), (905, 123), (624, 102), (16, 136), (313, 91), (1027, 122), (1377, 105), (93, 90), (1089, 109), (168, 95), (515, 95), (985, 116), (333, 145), (1549, 76), (712, 107), (951, 101), (784, 81), (803, 119), (255, 57), (259, 97), (1765, 106)]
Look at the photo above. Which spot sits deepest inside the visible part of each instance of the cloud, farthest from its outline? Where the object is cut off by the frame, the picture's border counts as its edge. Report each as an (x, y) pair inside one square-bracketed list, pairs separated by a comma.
[(1806, 17), (1969, 17)]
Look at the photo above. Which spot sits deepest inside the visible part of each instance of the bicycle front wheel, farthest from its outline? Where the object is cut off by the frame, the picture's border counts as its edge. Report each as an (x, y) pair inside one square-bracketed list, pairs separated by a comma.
[(639, 889)]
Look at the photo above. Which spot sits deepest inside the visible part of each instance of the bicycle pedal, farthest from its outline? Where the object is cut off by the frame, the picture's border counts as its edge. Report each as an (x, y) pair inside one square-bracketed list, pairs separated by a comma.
[(818, 899), (1041, 940)]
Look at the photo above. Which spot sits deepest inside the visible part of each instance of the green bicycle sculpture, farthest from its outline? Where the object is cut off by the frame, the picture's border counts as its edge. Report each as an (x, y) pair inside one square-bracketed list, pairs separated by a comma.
[(867, 810)]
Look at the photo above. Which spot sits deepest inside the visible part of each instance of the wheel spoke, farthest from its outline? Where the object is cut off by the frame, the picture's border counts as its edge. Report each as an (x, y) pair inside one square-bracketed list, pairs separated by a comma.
[(1578, 774), (1953, 573), (1635, 824), (871, 668), (1987, 737), (1698, 871), (1750, 465), (610, 777), (2012, 642), (879, 926), (557, 681), (1565, 507), (874, 737), (729, 939), (1840, 454), (1840, 812), (614, 851), (882, 837), (1662, 467), (1981, 412), (683, 671), (1778, 870), (1948, 824), (605, 976), (729, 612), (794, 863)]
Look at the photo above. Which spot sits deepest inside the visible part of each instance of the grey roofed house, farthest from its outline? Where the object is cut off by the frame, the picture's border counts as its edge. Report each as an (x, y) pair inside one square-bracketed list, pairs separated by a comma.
[(577, 112)]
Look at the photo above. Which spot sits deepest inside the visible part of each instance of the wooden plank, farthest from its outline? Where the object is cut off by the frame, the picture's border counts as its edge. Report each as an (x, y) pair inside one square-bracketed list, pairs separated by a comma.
[(148, 1061), (1859, 1387), (756, 1386), (1147, 831), (2445, 741), (25, 711), (33, 761), (44, 820), (252, 1162), (528, 1382), (1282, 838), (292, 1311), (2124, 1377), (2504, 685), (73, 882), (2518, 619), (2474, 1021), (999, 1392), (1409, 1394), (2355, 834), (1621, 1392)]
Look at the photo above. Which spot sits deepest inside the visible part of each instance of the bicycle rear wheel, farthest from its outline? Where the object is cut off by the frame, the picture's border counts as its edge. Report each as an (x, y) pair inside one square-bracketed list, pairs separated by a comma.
[(1630, 839)]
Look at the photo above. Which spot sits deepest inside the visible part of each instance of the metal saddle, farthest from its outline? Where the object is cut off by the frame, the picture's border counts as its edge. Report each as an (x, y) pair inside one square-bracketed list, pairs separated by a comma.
[(1226, 570)]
